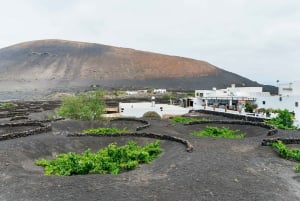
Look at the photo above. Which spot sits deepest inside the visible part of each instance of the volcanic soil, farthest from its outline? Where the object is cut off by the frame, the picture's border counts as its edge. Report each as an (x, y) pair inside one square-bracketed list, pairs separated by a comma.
[(217, 169)]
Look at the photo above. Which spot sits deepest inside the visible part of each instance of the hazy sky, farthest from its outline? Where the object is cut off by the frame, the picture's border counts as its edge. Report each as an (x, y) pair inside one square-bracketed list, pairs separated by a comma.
[(258, 39)]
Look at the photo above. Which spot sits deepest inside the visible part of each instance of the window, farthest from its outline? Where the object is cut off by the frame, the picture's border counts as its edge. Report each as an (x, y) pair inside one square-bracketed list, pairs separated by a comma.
[(287, 89), (296, 104), (264, 102)]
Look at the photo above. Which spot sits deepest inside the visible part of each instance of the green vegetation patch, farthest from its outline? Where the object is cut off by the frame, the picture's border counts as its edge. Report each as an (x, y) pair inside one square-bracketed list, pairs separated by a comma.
[(250, 107), (211, 131), (186, 120), (287, 153), (110, 160), (284, 120), (7, 105), (85, 106), (105, 131)]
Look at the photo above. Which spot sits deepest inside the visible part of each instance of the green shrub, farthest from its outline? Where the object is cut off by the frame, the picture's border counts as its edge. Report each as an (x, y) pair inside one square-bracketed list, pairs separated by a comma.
[(167, 96), (105, 131), (284, 120), (7, 105), (287, 153), (110, 160), (86, 106), (211, 131), (297, 168), (249, 107), (186, 120), (276, 110), (151, 114)]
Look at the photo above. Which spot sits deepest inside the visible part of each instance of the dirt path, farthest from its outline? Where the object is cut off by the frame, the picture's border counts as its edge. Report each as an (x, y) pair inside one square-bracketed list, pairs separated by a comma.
[(218, 169)]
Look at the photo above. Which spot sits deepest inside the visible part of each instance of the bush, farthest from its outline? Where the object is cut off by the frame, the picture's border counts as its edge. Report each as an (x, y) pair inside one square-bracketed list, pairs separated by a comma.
[(7, 105), (110, 160), (287, 153), (86, 106), (284, 120), (106, 131), (249, 107), (211, 131), (186, 120), (152, 114), (168, 96)]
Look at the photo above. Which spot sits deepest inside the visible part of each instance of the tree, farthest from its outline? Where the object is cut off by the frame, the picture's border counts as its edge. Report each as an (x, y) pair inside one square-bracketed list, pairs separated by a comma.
[(85, 106), (249, 107)]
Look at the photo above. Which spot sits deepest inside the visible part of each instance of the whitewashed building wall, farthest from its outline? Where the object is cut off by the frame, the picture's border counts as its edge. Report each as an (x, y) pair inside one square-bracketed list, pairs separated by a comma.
[(278, 102), (139, 109), (288, 89)]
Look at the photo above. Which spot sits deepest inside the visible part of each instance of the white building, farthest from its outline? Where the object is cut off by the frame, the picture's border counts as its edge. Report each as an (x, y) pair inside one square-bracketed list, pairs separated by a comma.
[(231, 96), (288, 98), (139, 109), (234, 97), (289, 89), (136, 92), (131, 92), (159, 91)]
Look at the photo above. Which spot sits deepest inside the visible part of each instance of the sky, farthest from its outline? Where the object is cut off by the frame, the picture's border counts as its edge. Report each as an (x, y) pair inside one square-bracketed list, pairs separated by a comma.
[(258, 39)]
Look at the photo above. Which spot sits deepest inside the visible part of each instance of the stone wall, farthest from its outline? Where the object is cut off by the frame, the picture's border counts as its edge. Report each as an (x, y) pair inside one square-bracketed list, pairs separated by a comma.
[(24, 108), (232, 116), (268, 142), (146, 123), (40, 128), (189, 146), (271, 129)]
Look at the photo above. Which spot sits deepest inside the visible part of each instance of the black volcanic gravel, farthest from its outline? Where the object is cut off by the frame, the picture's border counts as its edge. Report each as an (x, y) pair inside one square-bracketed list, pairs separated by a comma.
[(218, 169)]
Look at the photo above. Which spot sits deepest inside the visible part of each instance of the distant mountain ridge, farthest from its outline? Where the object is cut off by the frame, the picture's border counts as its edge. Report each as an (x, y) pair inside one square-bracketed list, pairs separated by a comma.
[(62, 63)]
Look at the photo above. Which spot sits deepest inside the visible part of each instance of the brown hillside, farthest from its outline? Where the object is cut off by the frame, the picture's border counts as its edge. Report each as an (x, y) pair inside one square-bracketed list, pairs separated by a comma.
[(49, 59), (52, 64)]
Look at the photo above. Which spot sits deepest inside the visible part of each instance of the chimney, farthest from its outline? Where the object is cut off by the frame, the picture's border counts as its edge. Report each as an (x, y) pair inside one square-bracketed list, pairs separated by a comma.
[(152, 101)]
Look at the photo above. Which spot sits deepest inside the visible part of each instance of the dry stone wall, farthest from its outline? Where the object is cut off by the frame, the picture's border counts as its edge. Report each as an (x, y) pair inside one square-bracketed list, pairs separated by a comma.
[(272, 130), (189, 146), (146, 123), (35, 127), (232, 116)]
